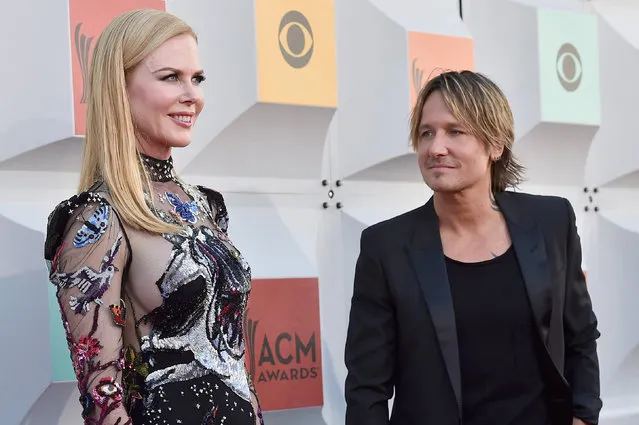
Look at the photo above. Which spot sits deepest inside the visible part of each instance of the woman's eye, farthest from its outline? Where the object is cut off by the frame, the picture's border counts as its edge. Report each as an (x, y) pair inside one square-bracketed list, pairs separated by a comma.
[(172, 77)]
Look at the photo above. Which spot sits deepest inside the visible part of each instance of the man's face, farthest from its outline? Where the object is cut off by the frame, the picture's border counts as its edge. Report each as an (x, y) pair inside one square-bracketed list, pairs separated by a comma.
[(450, 158)]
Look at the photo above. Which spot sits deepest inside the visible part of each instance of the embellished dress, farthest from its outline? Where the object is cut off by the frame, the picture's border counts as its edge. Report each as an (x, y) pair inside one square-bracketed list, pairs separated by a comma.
[(154, 323)]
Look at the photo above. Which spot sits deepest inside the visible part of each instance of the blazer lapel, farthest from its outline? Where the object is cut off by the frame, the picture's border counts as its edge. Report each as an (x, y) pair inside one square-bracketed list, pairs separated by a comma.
[(530, 249), (427, 257)]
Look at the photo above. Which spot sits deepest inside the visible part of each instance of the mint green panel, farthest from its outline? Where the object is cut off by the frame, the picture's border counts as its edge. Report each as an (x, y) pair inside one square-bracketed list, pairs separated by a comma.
[(568, 67), (61, 367)]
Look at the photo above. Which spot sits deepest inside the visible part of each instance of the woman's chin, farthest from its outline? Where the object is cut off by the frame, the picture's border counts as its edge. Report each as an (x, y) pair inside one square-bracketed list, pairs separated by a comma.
[(181, 144)]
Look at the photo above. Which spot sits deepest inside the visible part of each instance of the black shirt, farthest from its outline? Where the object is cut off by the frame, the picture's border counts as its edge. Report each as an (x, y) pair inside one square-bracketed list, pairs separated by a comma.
[(498, 344)]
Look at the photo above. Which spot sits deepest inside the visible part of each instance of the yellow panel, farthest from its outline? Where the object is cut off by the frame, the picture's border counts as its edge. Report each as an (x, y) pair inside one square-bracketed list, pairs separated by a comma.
[(296, 52)]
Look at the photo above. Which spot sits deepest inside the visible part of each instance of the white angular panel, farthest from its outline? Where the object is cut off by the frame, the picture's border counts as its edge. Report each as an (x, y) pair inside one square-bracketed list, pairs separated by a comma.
[(403, 168), (230, 67), (18, 258), (26, 331), (24, 311), (507, 53), (56, 156), (373, 93), (333, 310), (267, 229), (620, 15), (614, 289), (280, 141), (546, 61), (250, 143), (612, 282), (36, 105), (383, 63), (253, 124), (614, 158), (431, 16), (384, 201)]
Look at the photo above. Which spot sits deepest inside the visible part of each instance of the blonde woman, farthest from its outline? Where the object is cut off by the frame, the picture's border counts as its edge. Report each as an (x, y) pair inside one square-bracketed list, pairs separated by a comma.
[(151, 290)]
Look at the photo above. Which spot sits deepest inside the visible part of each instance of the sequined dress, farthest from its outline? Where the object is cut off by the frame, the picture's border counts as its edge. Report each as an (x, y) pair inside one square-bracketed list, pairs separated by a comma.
[(154, 323)]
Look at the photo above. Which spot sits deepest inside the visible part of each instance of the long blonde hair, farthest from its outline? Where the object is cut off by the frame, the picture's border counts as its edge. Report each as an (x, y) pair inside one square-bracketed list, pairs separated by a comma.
[(110, 149)]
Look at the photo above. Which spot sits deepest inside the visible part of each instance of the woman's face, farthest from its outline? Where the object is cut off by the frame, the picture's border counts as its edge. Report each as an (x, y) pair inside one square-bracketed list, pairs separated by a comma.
[(165, 96)]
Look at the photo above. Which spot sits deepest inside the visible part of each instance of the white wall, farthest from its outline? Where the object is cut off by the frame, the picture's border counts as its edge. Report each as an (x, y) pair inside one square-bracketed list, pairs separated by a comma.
[(269, 160)]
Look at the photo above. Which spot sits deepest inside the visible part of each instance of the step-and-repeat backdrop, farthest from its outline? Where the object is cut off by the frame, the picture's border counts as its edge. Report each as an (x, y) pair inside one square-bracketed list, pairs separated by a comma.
[(305, 132)]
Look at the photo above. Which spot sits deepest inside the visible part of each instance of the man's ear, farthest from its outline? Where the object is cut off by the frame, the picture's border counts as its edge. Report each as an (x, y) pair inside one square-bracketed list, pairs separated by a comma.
[(496, 153)]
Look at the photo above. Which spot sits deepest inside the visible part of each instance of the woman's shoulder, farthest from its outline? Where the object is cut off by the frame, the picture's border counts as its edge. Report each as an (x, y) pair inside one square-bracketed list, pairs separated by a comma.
[(95, 196), (215, 198), (217, 203), (92, 206)]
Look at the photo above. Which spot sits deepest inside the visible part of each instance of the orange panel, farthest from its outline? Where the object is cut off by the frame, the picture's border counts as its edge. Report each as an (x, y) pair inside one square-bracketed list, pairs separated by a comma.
[(88, 19), (431, 54), (284, 346)]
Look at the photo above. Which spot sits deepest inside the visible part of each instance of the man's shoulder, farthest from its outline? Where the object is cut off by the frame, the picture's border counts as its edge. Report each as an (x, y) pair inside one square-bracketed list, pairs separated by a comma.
[(553, 213), (535, 203)]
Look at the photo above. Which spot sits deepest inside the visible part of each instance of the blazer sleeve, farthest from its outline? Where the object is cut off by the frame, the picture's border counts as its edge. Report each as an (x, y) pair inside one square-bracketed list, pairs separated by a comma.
[(370, 342), (581, 333)]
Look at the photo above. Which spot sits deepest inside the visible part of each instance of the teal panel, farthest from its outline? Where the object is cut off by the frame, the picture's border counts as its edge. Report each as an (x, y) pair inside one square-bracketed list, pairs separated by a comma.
[(568, 67), (61, 367)]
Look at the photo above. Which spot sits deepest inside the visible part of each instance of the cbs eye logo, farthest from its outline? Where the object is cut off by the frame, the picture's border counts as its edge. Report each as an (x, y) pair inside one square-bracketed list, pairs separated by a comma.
[(569, 68), (296, 39)]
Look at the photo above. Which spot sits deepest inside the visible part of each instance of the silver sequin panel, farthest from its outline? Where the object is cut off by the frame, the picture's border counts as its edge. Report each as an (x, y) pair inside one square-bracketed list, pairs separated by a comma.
[(198, 252)]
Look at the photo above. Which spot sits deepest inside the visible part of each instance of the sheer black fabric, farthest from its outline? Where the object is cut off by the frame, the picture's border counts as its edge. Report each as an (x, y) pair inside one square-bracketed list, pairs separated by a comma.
[(154, 323)]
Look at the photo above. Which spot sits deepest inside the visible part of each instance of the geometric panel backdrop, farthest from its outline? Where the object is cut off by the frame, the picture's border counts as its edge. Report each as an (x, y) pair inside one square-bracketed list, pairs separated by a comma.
[(305, 131)]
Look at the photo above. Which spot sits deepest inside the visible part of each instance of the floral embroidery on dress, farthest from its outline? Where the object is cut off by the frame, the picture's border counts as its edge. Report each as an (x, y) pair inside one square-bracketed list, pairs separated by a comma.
[(181, 361), (135, 371), (107, 394), (85, 348)]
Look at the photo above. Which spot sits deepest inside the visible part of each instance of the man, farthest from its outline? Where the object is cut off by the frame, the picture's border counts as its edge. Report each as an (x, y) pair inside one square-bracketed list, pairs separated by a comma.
[(472, 308)]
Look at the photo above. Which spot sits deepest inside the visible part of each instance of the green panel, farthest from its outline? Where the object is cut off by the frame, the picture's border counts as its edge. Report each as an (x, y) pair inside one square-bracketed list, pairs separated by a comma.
[(568, 67), (61, 367)]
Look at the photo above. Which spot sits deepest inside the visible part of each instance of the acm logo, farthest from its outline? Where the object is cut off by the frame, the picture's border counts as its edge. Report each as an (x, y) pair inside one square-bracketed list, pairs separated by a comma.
[(283, 356), (283, 342)]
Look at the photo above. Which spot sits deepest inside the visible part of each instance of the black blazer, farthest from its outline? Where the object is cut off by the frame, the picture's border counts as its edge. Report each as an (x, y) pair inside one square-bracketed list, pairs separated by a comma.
[(402, 337)]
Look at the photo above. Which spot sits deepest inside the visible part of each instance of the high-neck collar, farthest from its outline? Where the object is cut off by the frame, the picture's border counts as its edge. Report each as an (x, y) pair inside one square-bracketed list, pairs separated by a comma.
[(160, 170)]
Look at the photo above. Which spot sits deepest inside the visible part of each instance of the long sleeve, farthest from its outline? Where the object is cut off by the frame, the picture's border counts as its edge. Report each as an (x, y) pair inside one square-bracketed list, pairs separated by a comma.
[(370, 341), (580, 328), (87, 268)]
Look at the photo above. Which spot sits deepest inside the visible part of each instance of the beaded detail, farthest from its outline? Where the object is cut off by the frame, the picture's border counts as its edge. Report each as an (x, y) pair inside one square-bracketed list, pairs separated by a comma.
[(180, 359), (160, 170)]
